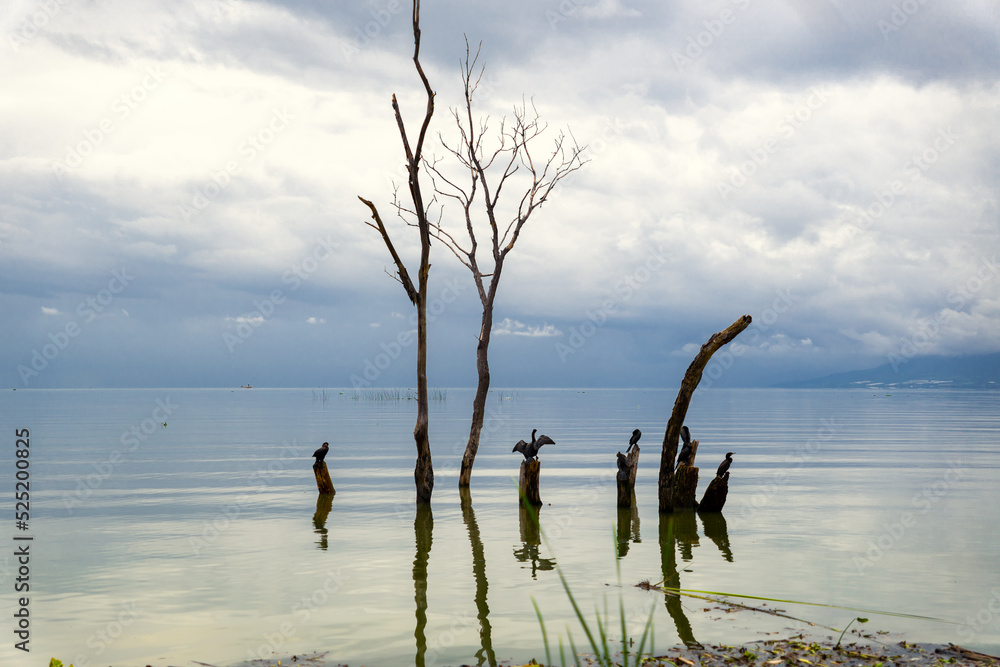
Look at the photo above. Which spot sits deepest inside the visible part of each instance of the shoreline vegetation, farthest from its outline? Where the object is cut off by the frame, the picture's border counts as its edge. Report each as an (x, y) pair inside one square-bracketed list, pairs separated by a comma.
[(800, 650)]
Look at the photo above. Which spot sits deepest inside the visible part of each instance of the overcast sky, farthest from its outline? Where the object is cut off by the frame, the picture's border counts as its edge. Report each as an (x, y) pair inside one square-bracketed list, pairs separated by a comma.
[(178, 196)]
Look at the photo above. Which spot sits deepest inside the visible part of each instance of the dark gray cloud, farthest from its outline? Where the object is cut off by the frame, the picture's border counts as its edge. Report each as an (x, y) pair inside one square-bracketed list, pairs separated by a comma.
[(829, 168)]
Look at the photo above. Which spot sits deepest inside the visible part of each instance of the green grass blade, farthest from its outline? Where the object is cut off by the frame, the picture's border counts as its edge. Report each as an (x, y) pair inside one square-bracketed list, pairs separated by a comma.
[(603, 656), (545, 637), (576, 607), (646, 634), (572, 647), (693, 593)]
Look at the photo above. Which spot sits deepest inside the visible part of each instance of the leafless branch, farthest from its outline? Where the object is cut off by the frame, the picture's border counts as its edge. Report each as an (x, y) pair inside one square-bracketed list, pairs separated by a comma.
[(402, 276)]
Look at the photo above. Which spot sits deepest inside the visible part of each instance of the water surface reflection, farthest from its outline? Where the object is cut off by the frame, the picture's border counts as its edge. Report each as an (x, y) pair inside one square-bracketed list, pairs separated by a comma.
[(423, 529), (531, 539), (485, 653)]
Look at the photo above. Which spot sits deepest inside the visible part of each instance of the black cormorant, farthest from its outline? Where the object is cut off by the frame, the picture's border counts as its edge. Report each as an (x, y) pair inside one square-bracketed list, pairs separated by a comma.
[(530, 449), (636, 434), (685, 455), (724, 466), (320, 453)]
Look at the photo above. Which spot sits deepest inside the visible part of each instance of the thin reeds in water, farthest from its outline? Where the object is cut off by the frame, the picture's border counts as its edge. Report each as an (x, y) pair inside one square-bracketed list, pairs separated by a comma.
[(393, 394)]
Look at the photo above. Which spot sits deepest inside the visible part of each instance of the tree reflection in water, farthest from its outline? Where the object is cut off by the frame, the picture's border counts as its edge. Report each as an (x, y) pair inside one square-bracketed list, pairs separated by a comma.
[(679, 532), (423, 528), (485, 654)]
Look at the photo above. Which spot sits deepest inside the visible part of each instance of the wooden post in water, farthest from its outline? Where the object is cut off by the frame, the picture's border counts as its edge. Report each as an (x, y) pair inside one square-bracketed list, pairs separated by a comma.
[(323, 481), (686, 481), (627, 467), (685, 486), (528, 482), (668, 455), (715, 495)]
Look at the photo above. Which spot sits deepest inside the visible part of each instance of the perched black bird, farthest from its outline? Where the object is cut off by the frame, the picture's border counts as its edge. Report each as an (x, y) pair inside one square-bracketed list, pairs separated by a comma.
[(685, 455), (320, 453), (724, 466), (622, 466), (636, 434), (530, 449)]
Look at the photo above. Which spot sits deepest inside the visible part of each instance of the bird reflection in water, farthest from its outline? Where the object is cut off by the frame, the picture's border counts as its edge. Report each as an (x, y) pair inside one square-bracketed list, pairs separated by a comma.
[(324, 503), (531, 538)]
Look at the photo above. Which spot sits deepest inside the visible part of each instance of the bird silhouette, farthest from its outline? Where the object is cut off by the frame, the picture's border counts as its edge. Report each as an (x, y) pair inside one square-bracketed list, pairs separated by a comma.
[(320, 453), (685, 455), (724, 466), (530, 449), (634, 440)]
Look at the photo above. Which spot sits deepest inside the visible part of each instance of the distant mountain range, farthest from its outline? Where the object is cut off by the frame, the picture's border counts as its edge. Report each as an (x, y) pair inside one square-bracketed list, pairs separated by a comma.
[(981, 371)]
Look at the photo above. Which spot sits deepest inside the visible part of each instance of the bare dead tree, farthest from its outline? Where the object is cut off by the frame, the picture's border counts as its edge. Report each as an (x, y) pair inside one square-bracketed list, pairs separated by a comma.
[(486, 173), (668, 455), (423, 473)]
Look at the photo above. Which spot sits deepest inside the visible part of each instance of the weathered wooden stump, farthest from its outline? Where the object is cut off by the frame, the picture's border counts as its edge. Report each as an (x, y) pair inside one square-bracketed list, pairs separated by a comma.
[(528, 482), (685, 486), (715, 495), (627, 467), (668, 455), (323, 481)]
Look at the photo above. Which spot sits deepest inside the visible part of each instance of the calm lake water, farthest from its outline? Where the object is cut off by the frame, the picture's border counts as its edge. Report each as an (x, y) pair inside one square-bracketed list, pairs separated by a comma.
[(203, 540)]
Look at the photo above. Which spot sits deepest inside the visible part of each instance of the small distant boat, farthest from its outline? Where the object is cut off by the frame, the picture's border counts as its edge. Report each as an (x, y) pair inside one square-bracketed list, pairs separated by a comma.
[(246, 386)]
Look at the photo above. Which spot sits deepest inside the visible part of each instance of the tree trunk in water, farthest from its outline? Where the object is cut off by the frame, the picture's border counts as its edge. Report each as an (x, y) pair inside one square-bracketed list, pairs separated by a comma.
[(715, 495), (423, 472), (690, 382), (323, 481), (479, 402), (685, 487), (528, 482), (626, 485)]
